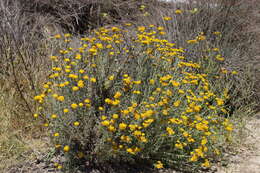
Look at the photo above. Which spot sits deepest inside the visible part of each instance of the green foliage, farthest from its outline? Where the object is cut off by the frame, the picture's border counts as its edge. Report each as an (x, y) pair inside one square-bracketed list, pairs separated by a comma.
[(127, 94)]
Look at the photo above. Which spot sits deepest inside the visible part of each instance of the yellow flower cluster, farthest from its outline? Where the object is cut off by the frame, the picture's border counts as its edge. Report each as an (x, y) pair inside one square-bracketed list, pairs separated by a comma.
[(142, 93)]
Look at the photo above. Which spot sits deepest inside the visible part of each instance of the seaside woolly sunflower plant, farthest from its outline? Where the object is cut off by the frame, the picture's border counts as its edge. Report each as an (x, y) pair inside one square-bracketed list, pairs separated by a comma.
[(127, 94)]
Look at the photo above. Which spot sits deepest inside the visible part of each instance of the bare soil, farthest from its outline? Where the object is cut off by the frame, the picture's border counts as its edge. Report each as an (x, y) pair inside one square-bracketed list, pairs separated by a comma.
[(248, 158)]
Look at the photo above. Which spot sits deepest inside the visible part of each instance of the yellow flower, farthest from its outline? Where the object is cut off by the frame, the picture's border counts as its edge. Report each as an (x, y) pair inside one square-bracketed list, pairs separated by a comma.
[(179, 145), (46, 86), (60, 98), (143, 139), (93, 50), (202, 127), (93, 79), (94, 65), (56, 134), (132, 126), (125, 112), (216, 33), (194, 10), (201, 37), (178, 11), (141, 28), (99, 45), (74, 105), (100, 108), (67, 70), (117, 95), (167, 18), (206, 163), (218, 57), (165, 112), (162, 33), (122, 126), (194, 158), (65, 110), (81, 83), (35, 115), (57, 36), (111, 128), (130, 150), (73, 76), (136, 92), (78, 56), (197, 108), (170, 131), (199, 152), (53, 57), (115, 102), (111, 53), (105, 123), (181, 91), (62, 85), (136, 116), (103, 117), (81, 71), (152, 82), (215, 49), (229, 127), (66, 148), (112, 77), (86, 77), (175, 83), (115, 29), (217, 151), (128, 24), (76, 123), (219, 101), (67, 35), (142, 7), (108, 101), (115, 116), (137, 133), (185, 134), (87, 101), (137, 82), (109, 46), (234, 72), (160, 28), (54, 116), (192, 41), (75, 88), (177, 103), (204, 141), (158, 165)]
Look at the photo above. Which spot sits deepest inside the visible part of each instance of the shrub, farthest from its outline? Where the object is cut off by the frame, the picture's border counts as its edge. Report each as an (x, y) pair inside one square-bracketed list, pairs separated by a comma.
[(127, 94), (236, 21)]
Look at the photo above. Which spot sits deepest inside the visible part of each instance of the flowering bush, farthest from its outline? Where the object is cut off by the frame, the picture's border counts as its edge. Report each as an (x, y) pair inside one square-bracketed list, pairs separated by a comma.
[(128, 94)]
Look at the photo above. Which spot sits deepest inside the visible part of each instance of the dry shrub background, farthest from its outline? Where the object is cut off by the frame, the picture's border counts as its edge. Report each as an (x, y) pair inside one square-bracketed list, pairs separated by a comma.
[(26, 25)]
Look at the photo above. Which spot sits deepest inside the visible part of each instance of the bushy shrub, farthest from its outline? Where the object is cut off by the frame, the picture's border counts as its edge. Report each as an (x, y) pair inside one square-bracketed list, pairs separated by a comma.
[(128, 94)]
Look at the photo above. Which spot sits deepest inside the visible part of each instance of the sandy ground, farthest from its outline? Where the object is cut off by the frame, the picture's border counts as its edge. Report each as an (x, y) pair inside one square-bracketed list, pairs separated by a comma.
[(248, 159)]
